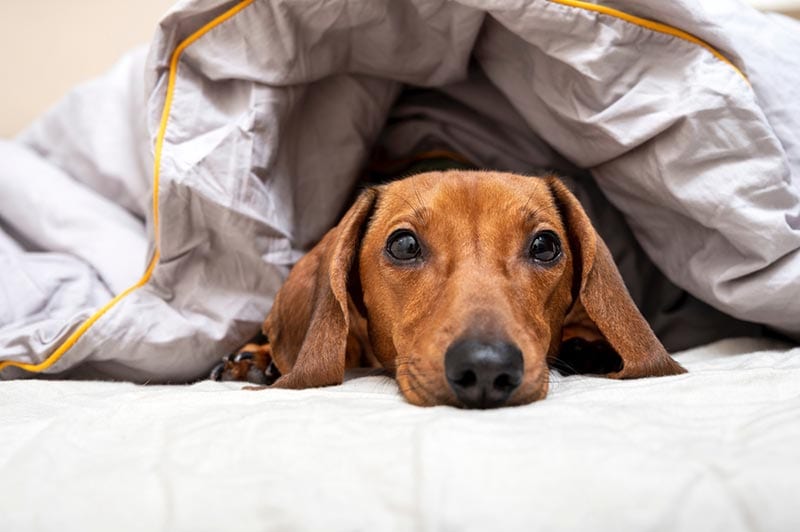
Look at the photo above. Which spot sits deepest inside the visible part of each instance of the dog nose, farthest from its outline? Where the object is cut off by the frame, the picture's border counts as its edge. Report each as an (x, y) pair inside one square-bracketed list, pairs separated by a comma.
[(483, 374)]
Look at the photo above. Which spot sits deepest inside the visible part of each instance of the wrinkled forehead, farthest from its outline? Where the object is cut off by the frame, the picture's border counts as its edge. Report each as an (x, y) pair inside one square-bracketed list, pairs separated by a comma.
[(482, 198)]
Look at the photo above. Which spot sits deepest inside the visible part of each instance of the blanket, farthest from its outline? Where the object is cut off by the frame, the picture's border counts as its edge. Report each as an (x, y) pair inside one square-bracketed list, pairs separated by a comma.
[(148, 219)]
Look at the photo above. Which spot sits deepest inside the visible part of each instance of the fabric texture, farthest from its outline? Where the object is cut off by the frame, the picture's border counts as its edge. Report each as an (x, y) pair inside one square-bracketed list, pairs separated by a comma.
[(715, 449), (259, 117)]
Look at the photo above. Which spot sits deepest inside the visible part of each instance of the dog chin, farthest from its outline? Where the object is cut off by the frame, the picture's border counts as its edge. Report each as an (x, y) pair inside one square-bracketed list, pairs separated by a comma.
[(418, 393)]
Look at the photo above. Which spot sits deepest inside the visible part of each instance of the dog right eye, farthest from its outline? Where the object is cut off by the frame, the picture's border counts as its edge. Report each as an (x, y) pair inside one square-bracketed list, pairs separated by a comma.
[(403, 246)]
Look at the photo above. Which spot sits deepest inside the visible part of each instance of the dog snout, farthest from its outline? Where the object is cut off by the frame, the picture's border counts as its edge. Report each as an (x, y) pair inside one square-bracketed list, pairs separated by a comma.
[(483, 374)]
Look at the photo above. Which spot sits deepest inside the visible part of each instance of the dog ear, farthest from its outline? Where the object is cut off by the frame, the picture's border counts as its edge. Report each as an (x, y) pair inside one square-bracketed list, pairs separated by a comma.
[(604, 332), (309, 323)]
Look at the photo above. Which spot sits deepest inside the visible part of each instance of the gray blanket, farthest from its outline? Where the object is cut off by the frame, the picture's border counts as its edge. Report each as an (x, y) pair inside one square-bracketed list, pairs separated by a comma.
[(147, 221)]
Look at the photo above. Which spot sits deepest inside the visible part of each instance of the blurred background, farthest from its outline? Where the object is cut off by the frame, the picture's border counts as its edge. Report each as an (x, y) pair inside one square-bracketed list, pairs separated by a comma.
[(47, 46), (787, 7)]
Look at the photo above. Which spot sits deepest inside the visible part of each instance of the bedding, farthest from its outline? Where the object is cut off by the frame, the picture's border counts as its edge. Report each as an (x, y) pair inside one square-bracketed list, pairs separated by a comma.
[(149, 218), (717, 449)]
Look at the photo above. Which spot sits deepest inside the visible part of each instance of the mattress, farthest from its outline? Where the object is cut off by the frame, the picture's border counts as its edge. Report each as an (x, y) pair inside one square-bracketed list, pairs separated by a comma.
[(715, 449)]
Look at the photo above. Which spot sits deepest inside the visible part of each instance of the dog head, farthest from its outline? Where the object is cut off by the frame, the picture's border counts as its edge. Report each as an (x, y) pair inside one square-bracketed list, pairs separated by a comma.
[(472, 285)]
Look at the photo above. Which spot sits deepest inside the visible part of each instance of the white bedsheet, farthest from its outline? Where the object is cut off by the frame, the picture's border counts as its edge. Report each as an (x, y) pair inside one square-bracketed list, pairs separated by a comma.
[(716, 449)]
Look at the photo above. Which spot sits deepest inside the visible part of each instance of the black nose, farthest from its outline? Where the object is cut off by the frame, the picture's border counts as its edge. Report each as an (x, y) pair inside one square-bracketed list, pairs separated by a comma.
[(483, 374)]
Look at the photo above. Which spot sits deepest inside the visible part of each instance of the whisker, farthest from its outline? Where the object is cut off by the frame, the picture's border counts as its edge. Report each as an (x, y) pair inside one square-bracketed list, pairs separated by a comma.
[(559, 365), (420, 212), (414, 384)]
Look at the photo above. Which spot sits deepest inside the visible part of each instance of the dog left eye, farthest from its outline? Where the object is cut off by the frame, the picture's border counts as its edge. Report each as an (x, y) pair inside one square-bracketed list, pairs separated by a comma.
[(545, 247), (403, 245)]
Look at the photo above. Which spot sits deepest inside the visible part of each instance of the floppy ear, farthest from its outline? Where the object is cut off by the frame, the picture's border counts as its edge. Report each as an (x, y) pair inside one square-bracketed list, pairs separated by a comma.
[(604, 332), (310, 320)]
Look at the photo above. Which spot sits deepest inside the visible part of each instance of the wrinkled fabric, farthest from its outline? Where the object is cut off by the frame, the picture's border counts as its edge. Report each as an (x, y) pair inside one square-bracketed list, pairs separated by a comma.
[(689, 169)]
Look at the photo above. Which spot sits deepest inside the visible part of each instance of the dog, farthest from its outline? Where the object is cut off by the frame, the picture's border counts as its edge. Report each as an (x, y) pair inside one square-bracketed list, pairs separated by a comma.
[(467, 286)]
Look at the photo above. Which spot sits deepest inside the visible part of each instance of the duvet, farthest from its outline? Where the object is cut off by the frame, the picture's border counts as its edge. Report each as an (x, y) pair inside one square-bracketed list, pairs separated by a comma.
[(148, 219)]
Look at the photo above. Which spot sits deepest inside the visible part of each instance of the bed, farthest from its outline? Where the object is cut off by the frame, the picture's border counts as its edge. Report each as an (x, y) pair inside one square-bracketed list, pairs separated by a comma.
[(149, 218), (715, 449)]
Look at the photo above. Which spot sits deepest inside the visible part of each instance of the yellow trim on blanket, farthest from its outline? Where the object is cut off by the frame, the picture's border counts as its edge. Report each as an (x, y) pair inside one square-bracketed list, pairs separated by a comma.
[(173, 71), (650, 25)]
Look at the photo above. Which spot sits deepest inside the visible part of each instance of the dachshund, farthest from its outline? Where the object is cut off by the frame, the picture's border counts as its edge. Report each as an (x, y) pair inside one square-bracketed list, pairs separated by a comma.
[(467, 286)]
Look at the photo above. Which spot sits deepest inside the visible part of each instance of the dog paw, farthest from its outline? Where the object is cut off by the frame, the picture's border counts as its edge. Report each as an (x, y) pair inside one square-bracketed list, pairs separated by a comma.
[(255, 367)]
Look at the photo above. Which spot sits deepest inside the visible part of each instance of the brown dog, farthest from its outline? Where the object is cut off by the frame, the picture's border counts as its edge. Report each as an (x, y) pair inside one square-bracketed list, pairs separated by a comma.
[(467, 286)]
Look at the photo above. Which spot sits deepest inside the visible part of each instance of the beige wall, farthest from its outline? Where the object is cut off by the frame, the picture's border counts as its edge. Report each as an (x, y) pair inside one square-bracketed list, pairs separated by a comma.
[(47, 46), (787, 7)]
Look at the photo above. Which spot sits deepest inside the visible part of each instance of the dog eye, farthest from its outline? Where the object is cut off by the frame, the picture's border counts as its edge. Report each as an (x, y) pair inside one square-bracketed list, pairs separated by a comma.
[(545, 247), (403, 245)]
